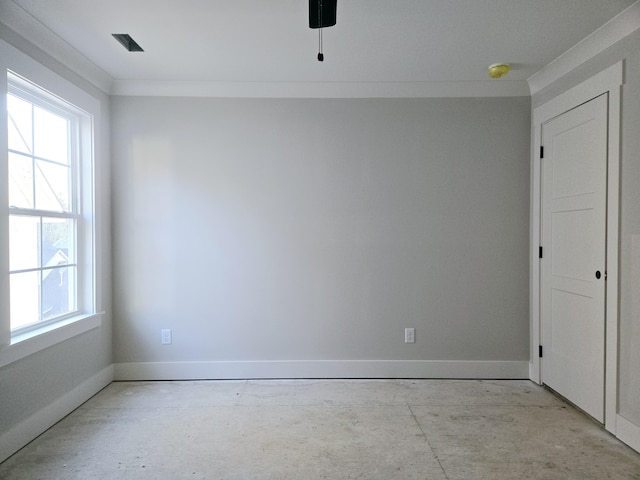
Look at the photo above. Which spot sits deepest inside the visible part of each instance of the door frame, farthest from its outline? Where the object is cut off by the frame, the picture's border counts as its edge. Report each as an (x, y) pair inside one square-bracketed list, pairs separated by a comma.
[(608, 81)]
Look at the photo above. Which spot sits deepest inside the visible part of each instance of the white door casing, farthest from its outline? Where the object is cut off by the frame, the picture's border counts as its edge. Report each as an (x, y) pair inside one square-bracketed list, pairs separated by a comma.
[(573, 270), (607, 81)]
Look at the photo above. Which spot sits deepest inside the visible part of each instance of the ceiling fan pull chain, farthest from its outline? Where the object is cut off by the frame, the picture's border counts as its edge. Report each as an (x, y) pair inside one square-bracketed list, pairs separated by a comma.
[(320, 54)]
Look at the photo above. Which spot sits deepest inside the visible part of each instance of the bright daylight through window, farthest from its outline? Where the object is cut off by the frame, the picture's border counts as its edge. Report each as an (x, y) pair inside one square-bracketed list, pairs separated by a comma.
[(45, 207)]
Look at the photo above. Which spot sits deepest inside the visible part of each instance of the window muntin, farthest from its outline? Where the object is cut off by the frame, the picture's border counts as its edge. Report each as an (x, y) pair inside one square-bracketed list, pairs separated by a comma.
[(44, 209)]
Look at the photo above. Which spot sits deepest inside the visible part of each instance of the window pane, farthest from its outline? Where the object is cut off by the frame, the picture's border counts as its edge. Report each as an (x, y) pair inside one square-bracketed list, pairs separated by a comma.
[(52, 186), (19, 119), (51, 136), (24, 298), (24, 251), (43, 176), (58, 292), (58, 244), (20, 181)]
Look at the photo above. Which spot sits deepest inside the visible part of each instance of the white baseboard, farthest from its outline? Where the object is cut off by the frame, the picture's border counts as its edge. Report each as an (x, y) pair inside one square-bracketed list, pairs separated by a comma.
[(226, 370), (628, 432), (28, 429)]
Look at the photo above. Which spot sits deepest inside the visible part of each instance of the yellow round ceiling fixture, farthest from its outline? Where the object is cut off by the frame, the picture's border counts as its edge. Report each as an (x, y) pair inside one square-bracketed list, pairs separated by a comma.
[(499, 70)]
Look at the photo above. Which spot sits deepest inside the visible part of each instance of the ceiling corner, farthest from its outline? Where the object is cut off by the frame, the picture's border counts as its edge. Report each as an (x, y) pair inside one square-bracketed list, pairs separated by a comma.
[(604, 37), (32, 32)]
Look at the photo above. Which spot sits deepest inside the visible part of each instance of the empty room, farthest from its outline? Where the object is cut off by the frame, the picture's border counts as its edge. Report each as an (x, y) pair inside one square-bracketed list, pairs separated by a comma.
[(305, 239)]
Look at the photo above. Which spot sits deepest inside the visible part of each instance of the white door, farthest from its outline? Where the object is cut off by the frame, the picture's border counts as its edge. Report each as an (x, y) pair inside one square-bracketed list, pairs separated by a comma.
[(573, 269)]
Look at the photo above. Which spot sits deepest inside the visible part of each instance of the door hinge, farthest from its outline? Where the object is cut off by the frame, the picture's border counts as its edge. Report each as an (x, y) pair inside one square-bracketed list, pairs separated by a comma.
[(540, 351), (540, 252), (541, 151)]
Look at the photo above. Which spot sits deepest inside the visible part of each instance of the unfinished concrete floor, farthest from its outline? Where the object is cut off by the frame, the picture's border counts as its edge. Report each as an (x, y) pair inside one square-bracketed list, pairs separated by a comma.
[(325, 429)]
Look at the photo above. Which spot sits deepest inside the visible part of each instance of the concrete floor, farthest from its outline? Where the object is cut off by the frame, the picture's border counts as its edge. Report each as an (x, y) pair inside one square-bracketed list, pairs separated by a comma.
[(325, 429)]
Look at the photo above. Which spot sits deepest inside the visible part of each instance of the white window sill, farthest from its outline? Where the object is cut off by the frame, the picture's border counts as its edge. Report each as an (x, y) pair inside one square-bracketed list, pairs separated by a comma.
[(35, 340)]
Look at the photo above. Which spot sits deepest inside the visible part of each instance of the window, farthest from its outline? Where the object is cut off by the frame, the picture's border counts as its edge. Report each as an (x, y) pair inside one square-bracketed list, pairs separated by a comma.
[(50, 208)]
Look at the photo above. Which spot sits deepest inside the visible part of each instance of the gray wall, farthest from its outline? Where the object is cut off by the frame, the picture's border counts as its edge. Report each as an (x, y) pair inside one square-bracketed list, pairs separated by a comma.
[(629, 51), (30, 385), (262, 229), (33, 383)]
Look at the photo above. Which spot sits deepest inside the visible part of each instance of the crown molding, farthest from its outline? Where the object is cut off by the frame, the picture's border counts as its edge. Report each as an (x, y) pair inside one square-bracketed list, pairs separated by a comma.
[(26, 28), (24, 31), (493, 88), (604, 37)]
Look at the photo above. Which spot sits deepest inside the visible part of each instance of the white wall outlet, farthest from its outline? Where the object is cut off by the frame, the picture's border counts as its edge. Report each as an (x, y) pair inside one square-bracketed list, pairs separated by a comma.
[(409, 335), (165, 336)]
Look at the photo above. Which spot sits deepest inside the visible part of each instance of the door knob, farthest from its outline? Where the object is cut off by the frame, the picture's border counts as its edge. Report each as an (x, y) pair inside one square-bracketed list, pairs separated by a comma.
[(598, 274)]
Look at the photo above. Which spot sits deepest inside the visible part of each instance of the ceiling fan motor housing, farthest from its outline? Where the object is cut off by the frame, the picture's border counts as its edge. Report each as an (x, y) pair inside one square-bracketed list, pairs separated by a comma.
[(322, 13)]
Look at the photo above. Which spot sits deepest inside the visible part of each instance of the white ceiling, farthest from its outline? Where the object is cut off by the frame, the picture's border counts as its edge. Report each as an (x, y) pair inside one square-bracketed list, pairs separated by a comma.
[(435, 41)]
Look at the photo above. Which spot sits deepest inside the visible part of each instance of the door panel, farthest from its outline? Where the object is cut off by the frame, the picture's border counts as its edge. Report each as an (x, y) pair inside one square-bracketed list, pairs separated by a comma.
[(574, 241)]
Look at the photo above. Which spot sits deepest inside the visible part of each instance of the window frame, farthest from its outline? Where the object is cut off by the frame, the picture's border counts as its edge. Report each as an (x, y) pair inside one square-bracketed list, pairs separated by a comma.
[(19, 344), (28, 92)]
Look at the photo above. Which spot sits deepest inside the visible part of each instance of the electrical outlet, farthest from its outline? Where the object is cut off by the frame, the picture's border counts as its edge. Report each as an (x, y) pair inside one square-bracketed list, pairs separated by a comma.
[(409, 335), (165, 336)]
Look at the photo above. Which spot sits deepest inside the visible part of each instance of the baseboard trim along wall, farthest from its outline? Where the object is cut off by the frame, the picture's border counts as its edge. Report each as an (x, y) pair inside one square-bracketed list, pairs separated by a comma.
[(227, 370), (21, 434), (628, 432)]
